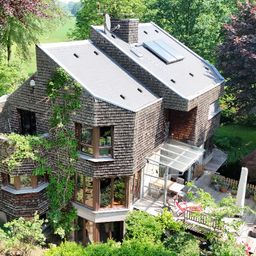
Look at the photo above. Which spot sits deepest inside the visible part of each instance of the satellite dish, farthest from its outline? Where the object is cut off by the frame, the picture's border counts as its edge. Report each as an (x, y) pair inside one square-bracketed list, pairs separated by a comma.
[(107, 23)]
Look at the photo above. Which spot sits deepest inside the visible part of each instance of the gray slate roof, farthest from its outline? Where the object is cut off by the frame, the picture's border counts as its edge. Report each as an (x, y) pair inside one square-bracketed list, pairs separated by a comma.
[(99, 75), (205, 76)]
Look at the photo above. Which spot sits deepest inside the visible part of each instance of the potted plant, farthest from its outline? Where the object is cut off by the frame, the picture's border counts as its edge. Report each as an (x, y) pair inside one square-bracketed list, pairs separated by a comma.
[(223, 186), (214, 180), (234, 190)]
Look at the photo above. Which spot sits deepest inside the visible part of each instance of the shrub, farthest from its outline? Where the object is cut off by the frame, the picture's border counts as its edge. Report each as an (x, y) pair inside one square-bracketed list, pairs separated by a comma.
[(66, 249)]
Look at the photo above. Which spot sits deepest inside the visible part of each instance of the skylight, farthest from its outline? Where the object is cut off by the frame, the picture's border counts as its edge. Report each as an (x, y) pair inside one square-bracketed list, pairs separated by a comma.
[(163, 50)]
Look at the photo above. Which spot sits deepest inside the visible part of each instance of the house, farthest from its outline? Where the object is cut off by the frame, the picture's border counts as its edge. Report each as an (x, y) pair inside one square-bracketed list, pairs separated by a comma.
[(146, 100)]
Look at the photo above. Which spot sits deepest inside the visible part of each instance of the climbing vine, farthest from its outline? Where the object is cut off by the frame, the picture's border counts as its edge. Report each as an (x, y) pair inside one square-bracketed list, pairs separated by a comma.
[(18, 148), (64, 95)]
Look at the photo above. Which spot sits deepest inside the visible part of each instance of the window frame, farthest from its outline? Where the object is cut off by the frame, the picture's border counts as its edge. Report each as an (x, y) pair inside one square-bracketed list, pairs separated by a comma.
[(214, 109), (96, 147)]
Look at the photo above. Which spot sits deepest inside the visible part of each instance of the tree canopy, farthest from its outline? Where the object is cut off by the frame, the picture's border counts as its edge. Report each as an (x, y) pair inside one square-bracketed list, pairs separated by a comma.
[(91, 13), (196, 23), (237, 58)]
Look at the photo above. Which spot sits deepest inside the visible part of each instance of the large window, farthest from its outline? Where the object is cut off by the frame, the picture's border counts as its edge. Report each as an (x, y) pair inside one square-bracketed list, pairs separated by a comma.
[(23, 181), (84, 190), (95, 141), (112, 192)]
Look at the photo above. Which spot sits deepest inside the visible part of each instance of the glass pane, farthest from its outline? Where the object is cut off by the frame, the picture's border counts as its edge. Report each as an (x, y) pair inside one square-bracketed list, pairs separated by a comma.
[(119, 191), (105, 136), (41, 180), (87, 149), (105, 193), (86, 136), (105, 151), (25, 181), (11, 180), (79, 188), (89, 191)]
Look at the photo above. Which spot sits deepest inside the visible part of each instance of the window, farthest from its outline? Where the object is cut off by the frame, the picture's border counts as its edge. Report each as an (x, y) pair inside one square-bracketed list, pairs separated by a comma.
[(135, 188), (214, 109), (84, 190), (23, 181), (112, 192), (27, 122), (96, 141)]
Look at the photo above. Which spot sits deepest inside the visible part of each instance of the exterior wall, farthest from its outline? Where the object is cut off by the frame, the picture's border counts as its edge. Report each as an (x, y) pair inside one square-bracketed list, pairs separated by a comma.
[(23, 205), (205, 128), (171, 100), (183, 125), (149, 133)]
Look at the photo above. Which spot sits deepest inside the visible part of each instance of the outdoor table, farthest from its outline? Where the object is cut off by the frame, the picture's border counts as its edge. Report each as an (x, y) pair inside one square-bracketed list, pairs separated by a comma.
[(171, 185)]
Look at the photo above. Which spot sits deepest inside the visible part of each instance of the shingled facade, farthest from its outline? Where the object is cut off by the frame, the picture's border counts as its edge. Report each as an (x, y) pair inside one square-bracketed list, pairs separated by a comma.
[(128, 109)]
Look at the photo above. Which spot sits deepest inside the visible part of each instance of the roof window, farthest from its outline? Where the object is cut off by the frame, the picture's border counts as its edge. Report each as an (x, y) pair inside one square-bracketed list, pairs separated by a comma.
[(122, 96), (163, 51), (76, 55)]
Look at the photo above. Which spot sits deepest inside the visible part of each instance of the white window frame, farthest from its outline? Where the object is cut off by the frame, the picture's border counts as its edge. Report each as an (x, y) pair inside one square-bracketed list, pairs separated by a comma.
[(214, 109)]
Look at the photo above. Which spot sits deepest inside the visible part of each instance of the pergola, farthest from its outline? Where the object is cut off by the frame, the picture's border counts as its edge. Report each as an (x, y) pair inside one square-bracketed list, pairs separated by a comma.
[(172, 158)]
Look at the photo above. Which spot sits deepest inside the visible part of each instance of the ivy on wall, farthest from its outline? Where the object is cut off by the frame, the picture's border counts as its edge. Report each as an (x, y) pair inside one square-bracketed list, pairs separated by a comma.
[(64, 94)]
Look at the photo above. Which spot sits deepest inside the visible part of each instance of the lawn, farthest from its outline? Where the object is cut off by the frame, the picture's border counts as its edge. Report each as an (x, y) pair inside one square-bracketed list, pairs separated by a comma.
[(58, 34)]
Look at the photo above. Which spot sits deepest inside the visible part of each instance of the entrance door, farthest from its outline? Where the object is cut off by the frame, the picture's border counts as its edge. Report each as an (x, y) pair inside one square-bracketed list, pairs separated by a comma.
[(84, 233), (28, 122)]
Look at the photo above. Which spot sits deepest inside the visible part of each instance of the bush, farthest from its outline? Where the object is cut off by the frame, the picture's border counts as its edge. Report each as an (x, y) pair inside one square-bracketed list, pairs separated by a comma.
[(141, 225), (227, 248), (66, 249), (183, 244)]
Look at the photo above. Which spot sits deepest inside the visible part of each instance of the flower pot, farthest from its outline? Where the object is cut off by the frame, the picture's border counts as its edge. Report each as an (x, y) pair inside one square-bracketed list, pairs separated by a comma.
[(224, 189)]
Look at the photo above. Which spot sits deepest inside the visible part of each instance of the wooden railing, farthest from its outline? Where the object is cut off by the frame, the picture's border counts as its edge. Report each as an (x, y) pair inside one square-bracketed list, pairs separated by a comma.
[(204, 219), (234, 183)]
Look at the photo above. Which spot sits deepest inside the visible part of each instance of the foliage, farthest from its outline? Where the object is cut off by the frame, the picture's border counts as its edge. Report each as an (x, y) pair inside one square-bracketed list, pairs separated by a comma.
[(21, 23), (21, 148), (239, 40), (127, 248), (89, 14), (227, 248), (10, 77), (66, 249), (21, 236), (236, 140), (183, 244), (141, 225), (64, 95), (196, 23)]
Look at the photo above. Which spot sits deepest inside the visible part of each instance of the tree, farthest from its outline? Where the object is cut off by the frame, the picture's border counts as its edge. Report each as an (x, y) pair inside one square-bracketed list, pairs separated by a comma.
[(237, 58), (91, 13), (196, 23), (21, 236), (21, 23)]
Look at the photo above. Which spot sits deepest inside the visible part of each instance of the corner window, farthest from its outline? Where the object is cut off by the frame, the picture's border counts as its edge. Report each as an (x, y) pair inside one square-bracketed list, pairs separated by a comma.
[(214, 109), (95, 141), (84, 190), (112, 192), (23, 181)]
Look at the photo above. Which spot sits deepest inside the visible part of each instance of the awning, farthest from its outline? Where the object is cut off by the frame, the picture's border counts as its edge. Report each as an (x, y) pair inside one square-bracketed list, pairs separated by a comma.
[(176, 155)]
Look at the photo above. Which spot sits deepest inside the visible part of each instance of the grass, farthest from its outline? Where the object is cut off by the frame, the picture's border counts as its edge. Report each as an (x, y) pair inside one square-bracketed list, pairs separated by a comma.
[(58, 34)]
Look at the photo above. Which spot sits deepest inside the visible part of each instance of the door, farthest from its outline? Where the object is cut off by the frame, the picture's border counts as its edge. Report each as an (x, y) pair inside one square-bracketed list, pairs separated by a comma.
[(27, 122)]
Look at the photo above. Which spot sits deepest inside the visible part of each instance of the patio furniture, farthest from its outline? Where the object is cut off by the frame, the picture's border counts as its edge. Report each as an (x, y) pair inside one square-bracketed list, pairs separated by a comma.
[(180, 180)]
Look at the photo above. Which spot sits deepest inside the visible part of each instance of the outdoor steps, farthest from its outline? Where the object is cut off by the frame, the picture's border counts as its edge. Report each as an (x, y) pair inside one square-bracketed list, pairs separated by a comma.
[(218, 159)]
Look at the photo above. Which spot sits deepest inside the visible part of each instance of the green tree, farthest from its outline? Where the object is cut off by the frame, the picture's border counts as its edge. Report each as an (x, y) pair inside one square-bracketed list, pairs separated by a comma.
[(21, 23), (196, 23), (237, 59), (91, 13), (21, 236)]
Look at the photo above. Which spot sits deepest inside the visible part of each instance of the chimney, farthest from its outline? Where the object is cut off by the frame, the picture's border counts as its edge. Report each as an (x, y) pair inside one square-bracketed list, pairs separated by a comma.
[(128, 30)]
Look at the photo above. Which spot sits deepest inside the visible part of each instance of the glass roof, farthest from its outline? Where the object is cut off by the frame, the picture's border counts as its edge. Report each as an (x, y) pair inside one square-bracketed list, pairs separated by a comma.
[(176, 155)]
